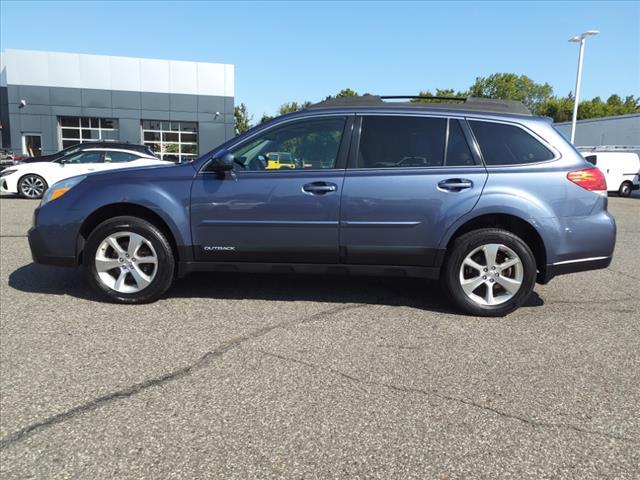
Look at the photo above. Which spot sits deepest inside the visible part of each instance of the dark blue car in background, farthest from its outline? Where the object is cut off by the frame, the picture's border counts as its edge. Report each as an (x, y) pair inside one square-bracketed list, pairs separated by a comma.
[(478, 194)]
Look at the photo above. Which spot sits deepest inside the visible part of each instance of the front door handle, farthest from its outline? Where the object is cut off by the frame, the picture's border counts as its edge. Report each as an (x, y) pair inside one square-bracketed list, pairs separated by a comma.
[(319, 188), (455, 184)]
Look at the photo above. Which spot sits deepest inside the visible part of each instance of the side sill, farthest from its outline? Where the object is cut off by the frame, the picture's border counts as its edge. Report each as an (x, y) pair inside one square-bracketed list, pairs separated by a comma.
[(184, 268)]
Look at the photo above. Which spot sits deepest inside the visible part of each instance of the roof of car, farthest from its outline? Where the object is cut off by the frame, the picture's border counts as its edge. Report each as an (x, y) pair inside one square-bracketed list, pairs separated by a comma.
[(107, 144), (471, 104)]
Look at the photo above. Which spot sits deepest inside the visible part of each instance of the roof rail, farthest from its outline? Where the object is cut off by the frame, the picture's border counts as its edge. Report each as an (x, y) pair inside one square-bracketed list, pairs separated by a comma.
[(447, 103), (422, 97)]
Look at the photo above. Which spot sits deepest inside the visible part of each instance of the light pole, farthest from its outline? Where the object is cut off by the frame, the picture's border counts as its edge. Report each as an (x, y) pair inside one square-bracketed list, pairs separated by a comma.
[(576, 99)]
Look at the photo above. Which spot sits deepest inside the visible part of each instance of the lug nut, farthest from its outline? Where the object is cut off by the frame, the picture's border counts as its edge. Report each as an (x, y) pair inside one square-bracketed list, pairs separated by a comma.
[(485, 269), (492, 280), (493, 268), (484, 277)]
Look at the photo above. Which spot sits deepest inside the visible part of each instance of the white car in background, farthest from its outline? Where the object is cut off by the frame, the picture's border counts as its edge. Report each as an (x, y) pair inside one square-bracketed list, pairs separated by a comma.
[(31, 180), (621, 170)]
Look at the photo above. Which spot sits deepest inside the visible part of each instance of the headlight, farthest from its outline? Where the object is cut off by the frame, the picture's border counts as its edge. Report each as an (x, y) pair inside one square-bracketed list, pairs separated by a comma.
[(58, 189), (8, 171)]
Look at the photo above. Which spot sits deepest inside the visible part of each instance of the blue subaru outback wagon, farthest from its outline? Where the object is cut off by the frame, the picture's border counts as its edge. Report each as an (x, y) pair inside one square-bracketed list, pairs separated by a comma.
[(476, 193)]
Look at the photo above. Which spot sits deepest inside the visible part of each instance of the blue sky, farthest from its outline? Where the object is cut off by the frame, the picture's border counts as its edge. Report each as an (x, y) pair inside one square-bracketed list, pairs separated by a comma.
[(287, 51)]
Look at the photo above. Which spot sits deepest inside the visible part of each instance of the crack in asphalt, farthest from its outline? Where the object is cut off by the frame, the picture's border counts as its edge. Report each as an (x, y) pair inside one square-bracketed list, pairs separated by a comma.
[(623, 274), (204, 361), (435, 393)]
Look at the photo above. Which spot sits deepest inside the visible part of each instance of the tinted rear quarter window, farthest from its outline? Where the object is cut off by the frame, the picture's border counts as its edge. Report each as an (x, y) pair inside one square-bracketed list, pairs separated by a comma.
[(458, 151), (401, 142), (503, 144), (593, 159)]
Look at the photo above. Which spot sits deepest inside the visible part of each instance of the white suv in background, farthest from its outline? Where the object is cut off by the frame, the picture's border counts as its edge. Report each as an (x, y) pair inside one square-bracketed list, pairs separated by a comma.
[(31, 180)]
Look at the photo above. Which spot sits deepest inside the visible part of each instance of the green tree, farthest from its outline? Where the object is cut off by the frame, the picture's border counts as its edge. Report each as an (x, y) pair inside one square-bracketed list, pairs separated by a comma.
[(242, 118), (509, 86), (440, 92), (561, 108), (265, 118), (346, 92)]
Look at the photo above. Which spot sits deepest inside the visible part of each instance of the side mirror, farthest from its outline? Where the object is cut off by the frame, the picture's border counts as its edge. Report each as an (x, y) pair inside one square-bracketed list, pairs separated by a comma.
[(223, 162)]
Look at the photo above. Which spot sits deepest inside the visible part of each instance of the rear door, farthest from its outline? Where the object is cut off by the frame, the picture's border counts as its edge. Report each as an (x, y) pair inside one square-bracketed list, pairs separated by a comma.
[(409, 179)]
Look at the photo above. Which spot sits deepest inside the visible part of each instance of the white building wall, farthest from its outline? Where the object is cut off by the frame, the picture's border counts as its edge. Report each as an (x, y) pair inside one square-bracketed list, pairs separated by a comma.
[(76, 70)]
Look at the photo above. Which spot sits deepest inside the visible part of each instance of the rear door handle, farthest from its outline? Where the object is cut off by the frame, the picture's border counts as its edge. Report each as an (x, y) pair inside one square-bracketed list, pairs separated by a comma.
[(319, 188), (455, 184)]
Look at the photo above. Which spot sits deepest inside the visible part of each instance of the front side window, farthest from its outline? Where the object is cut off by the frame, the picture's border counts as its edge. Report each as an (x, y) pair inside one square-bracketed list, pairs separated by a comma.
[(75, 130), (401, 142), (119, 157), (502, 144), (84, 157), (304, 144), (174, 141)]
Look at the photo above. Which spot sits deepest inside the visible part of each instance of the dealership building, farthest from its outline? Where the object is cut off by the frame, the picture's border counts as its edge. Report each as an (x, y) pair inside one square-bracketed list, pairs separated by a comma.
[(51, 100)]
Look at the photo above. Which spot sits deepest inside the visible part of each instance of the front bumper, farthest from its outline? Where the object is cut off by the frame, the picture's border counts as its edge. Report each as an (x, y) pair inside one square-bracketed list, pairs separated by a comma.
[(41, 254)]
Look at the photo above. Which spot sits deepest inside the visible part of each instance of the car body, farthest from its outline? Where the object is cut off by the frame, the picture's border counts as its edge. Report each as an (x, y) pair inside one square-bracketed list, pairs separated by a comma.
[(78, 147), (6, 158), (31, 180), (482, 196), (621, 170)]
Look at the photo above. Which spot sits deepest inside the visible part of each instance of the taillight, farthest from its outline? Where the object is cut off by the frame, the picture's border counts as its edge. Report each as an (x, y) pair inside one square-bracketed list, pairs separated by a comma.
[(591, 179)]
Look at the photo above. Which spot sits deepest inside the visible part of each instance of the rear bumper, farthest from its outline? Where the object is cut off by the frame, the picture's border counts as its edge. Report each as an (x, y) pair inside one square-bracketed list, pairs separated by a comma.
[(572, 266)]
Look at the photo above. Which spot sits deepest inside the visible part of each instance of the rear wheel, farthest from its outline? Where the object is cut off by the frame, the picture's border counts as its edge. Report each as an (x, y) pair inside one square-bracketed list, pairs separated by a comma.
[(32, 186), (129, 260), (489, 272), (625, 189)]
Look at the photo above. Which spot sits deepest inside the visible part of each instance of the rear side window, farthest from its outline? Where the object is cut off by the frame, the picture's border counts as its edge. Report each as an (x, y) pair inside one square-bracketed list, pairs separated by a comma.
[(508, 145), (119, 157), (593, 159), (401, 142)]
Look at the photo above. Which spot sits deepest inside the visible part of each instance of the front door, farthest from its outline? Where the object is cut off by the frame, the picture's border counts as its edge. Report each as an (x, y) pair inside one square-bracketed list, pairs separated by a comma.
[(409, 180), (275, 212), (81, 163)]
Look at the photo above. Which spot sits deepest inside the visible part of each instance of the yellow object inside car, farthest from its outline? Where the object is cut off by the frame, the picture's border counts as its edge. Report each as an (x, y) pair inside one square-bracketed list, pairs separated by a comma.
[(278, 160)]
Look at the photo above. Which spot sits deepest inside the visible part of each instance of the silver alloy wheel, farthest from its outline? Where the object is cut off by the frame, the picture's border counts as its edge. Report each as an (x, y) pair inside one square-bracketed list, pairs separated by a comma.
[(491, 274), (126, 262), (32, 186)]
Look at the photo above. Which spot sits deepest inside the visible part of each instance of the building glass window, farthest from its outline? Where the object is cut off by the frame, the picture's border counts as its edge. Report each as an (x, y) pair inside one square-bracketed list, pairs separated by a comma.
[(74, 130), (174, 141)]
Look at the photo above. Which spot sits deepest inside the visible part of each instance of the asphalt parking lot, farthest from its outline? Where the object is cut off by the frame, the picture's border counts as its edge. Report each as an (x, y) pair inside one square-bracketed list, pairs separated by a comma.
[(255, 376)]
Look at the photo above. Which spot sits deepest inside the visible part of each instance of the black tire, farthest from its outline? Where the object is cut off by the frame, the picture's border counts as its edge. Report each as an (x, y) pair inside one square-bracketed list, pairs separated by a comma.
[(625, 189), (164, 268), (32, 186), (465, 245)]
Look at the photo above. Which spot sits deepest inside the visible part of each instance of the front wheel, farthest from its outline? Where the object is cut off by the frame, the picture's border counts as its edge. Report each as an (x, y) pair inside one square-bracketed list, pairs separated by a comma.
[(129, 260), (32, 186), (625, 189), (489, 272)]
